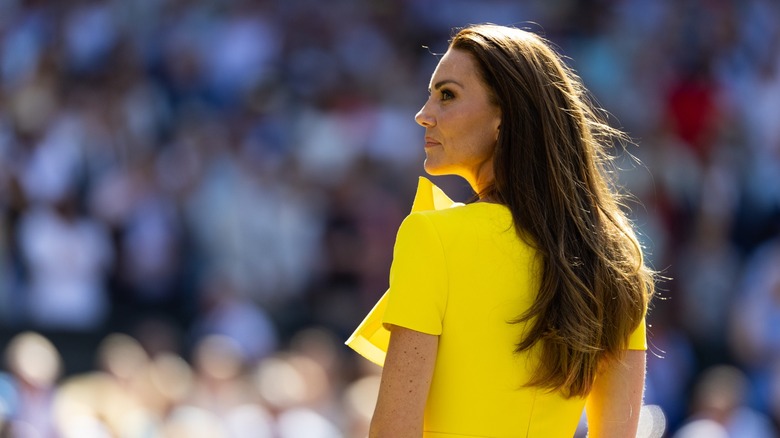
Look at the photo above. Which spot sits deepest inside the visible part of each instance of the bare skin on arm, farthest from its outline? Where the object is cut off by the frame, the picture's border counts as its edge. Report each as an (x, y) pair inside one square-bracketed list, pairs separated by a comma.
[(406, 380), (614, 403)]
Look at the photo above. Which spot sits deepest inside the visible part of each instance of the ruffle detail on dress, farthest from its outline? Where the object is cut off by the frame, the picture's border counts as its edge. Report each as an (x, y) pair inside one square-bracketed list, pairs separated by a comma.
[(371, 338)]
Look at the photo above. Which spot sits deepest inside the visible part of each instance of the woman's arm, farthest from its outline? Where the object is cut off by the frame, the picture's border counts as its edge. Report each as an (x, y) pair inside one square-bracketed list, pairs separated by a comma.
[(406, 379), (614, 403)]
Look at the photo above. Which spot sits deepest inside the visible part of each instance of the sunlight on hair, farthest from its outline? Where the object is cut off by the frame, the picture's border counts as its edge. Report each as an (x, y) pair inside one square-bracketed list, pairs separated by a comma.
[(652, 422)]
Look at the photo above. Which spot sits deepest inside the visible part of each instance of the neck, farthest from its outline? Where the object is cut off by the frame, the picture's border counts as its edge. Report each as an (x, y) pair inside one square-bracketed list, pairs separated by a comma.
[(488, 196), (482, 181)]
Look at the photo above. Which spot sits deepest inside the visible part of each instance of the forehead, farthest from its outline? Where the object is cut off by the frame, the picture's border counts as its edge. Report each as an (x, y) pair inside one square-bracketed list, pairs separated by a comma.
[(455, 64)]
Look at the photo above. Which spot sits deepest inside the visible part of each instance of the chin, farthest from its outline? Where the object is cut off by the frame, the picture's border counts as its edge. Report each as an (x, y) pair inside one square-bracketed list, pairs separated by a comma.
[(434, 170)]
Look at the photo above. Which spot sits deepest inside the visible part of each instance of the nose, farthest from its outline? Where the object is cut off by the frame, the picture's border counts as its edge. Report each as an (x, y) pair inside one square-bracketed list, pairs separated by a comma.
[(424, 117)]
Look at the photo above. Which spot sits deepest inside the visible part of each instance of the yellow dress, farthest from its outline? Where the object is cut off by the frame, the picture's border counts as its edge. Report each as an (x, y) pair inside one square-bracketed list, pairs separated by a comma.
[(461, 272)]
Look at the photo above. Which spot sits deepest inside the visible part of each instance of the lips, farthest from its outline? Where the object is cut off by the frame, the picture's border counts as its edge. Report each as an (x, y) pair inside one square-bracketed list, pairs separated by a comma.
[(430, 142)]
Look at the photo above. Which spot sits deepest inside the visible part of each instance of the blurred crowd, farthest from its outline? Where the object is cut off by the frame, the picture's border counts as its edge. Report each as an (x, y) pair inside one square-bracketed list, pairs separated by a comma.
[(198, 202)]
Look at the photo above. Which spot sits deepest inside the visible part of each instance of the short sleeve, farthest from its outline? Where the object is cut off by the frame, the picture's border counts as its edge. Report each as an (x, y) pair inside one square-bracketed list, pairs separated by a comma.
[(638, 339), (417, 298)]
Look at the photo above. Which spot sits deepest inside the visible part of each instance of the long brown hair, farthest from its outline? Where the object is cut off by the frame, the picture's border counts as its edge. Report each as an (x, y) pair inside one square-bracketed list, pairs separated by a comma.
[(551, 167)]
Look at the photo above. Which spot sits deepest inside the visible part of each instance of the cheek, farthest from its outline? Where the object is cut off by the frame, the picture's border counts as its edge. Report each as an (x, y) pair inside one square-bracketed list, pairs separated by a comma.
[(471, 130), (482, 133), (467, 124)]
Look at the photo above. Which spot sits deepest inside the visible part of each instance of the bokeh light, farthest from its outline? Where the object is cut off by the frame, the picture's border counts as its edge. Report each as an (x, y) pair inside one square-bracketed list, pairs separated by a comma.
[(199, 200)]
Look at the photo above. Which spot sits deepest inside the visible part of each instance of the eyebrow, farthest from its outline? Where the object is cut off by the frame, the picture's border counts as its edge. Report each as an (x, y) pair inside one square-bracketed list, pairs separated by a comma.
[(445, 82)]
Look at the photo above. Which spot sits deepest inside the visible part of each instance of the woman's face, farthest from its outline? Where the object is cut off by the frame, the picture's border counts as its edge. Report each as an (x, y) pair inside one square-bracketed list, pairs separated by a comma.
[(461, 124)]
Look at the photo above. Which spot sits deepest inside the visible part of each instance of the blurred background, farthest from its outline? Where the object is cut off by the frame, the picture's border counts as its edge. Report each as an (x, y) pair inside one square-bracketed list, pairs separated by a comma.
[(198, 202)]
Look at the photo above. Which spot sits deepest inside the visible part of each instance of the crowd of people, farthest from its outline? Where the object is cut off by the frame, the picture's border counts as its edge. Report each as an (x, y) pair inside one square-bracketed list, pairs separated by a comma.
[(199, 200)]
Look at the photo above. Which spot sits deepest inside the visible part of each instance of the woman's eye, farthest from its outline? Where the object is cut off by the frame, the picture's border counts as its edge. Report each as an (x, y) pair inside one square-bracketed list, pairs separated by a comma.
[(446, 95)]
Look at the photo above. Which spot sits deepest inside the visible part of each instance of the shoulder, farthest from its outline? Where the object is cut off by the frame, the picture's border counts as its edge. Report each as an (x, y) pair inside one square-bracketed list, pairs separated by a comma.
[(465, 217), (424, 230), (460, 227), (436, 223), (455, 215)]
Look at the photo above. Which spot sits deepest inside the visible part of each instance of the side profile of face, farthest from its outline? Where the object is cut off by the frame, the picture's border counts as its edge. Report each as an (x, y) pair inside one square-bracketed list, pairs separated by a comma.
[(461, 123)]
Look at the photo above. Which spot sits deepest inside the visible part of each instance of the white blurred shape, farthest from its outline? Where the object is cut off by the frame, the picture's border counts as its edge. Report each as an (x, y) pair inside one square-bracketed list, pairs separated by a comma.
[(122, 356), (702, 429), (301, 422), (280, 383), (34, 358), (192, 422), (85, 427), (219, 357), (652, 422), (361, 396), (249, 421), (171, 376)]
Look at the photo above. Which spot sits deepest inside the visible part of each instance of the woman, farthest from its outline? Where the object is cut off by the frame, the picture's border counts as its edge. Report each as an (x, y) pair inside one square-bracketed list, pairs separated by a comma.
[(506, 317)]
